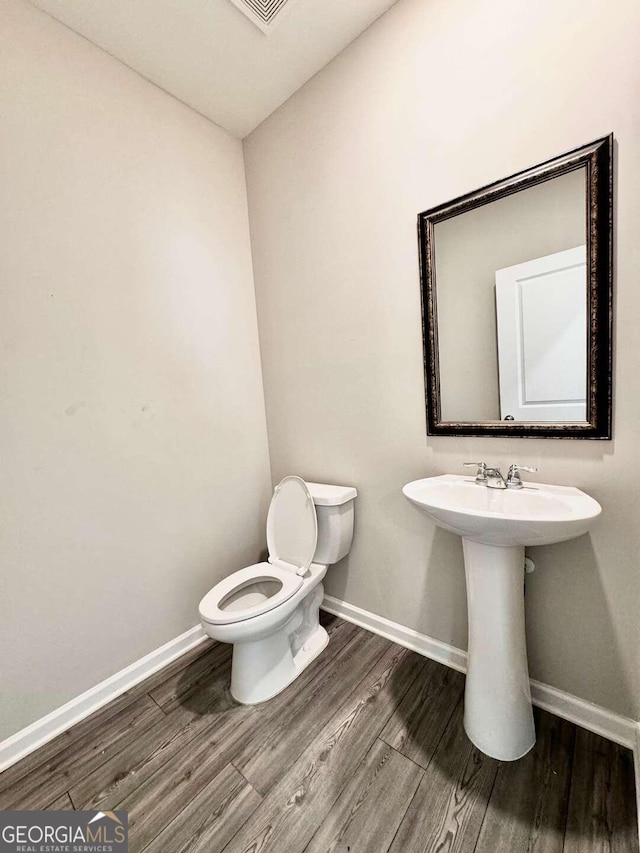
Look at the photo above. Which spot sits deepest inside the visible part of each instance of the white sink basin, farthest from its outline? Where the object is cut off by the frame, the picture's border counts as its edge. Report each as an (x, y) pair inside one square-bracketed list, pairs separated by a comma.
[(495, 525), (535, 515)]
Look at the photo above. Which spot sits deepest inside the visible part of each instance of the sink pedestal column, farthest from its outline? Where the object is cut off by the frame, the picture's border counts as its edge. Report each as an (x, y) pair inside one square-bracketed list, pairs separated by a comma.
[(498, 717)]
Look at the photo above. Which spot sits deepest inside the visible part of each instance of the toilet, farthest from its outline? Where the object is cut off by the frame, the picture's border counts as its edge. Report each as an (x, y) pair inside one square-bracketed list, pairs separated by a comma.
[(269, 611)]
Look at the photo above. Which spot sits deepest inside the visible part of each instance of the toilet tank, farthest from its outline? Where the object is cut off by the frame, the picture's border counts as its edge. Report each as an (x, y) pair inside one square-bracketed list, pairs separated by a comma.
[(334, 511)]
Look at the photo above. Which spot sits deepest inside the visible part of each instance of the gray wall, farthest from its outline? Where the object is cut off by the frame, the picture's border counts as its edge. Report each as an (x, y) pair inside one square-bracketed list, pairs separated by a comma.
[(135, 469), (435, 99), (547, 218)]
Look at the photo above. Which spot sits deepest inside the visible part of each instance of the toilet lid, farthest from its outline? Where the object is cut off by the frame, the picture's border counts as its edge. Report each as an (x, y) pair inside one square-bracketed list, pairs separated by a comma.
[(292, 526)]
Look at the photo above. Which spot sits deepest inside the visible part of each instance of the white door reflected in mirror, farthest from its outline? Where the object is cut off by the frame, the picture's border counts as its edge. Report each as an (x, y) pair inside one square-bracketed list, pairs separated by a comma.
[(541, 318)]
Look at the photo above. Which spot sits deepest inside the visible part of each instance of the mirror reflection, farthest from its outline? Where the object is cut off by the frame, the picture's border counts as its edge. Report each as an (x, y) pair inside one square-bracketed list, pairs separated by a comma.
[(512, 306)]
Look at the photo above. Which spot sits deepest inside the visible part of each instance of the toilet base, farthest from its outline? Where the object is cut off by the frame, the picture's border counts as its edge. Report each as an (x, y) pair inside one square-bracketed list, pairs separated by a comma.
[(262, 669)]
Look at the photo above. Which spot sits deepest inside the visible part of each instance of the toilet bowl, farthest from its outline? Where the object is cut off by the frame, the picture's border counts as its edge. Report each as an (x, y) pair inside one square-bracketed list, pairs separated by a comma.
[(269, 611)]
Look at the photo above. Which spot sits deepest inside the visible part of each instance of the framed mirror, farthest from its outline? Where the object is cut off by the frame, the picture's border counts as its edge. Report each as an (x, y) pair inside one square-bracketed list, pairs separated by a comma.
[(516, 284)]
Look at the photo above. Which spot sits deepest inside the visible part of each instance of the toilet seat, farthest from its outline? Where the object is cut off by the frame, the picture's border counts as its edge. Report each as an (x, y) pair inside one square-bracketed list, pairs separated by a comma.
[(210, 606), (292, 534)]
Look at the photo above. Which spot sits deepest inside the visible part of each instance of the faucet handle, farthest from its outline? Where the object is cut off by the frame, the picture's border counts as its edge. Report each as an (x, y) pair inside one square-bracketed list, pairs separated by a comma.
[(514, 480), (481, 475)]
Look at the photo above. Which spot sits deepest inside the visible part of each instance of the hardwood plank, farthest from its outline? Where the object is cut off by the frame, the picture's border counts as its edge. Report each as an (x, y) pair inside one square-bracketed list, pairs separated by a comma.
[(602, 807), (188, 679), (213, 713), (367, 813), (51, 779), (528, 806), (160, 798), (419, 721), (293, 810), (85, 727), (62, 803), (59, 745), (211, 819), (111, 781), (294, 720), (447, 810)]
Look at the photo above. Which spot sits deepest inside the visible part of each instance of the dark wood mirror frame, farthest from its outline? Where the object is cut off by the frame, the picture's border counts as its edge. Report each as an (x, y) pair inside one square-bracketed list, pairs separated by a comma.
[(597, 160)]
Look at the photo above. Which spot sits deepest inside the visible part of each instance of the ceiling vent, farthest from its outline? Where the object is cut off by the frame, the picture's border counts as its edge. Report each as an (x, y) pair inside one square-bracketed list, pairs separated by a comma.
[(265, 14)]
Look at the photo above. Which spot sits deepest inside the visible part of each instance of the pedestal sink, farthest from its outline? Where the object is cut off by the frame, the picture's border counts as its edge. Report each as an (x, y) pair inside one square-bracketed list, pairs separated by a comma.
[(496, 525)]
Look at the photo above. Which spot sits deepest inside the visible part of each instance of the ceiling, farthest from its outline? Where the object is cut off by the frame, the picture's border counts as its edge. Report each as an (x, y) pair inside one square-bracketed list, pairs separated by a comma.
[(212, 57)]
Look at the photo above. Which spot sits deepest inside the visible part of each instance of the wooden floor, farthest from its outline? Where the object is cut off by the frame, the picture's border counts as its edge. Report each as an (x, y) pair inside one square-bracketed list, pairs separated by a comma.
[(364, 753)]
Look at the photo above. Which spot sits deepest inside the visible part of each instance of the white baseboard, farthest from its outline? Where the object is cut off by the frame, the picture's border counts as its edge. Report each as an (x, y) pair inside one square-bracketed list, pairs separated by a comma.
[(434, 649), (37, 734), (622, 730), (592, 717)]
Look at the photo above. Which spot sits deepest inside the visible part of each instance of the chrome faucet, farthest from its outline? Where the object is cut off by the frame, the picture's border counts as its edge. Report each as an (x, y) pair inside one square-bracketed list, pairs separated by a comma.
[(495, 480), (492, 477), (481, 475), (514, 480)]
